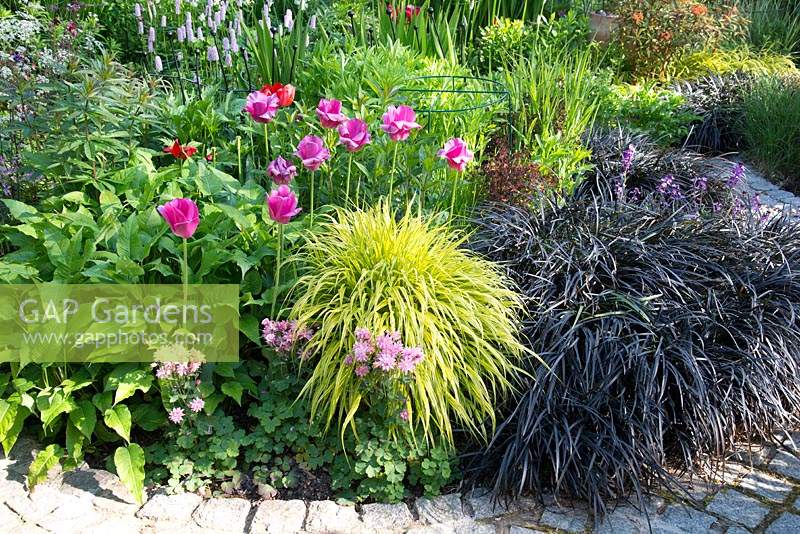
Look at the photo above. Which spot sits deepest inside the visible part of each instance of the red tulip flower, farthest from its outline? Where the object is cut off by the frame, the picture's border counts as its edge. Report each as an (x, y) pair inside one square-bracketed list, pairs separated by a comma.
[(411, 12), (181, 152), (285, 93)]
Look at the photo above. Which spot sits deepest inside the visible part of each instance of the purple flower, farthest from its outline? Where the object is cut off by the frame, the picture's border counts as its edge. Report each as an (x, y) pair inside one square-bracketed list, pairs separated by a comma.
[(668, 188), (213, 53), (312, 152), (404, 414), (362, 334), (627, 158), (362, 371), (330, 113), (362, 350), (701, 184), (176, 415), (409, 359), (737, 175), (281, 170)]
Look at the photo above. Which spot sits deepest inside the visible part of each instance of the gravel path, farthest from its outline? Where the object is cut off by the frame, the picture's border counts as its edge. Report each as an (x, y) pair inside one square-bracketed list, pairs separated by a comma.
[(759, 493)]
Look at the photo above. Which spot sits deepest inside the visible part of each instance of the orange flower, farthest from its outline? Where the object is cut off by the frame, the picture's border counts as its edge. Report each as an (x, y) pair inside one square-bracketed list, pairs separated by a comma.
[(665, 36), (698, 10), (638, 17)]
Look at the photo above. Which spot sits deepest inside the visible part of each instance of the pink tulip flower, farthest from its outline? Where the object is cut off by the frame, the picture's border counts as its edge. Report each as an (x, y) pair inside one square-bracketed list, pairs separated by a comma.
[(312, 152), (330, 113), (282, 171), (182, 216), (399, 121), (282, 205), (354, 134), (261, 107), (456, 153)]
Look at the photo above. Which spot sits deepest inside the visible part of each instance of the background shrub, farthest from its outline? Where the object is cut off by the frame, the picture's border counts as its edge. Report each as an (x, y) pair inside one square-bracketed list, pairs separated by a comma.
[(665, 336), (387, 272)]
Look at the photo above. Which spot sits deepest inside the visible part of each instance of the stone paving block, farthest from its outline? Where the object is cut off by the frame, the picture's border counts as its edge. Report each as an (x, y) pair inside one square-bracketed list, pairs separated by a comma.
[(623, 520), (738, 508), (44, 499), (386, 517), (786, 464), (753, 455), (8, 519), (223, 515), (797, 503), (568, 519), (765, 485), (163, 507), (523, 530), (442, 509), (105, 489), (466, 526), (482, 505), (279, 517), (117, 525), (737, 530), (71, 517), (785, 524), (330, 518), (679, 518)]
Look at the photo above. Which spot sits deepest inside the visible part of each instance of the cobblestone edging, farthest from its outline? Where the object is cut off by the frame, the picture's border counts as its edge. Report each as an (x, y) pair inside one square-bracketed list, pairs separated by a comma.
[(759, 492)]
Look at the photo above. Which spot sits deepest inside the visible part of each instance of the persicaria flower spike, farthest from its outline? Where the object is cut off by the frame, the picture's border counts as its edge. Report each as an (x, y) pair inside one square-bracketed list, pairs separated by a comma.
[(330, 113), (456, 153), (182, 216), (282, 205), (354, 134), (399, 121), (312, 152), (281, 170), (181, 152), (261, 107)]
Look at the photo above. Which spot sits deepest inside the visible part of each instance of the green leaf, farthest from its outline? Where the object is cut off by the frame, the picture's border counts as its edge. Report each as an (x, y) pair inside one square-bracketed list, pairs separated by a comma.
[(149, 416), (132, 381), (118, 419), (8, 414), (233, 390), (84, 418), (10, 438), (51, 405), (44, 461), (18, 210), (129, 463), (249, 326)]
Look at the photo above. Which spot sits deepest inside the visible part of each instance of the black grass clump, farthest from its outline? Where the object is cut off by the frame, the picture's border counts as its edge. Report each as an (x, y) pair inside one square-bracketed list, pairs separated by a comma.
[(717, 100), (650, 165), (667, 336)]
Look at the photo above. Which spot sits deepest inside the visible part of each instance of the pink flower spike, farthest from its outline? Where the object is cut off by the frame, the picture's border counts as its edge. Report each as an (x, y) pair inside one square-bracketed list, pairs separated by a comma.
[(330, 113), (176, 415), (197, 404), (282, 205), (354, 134), (282, 171), (312, 152), (261, 107), (398, 122), (182, 216), (456, 153)]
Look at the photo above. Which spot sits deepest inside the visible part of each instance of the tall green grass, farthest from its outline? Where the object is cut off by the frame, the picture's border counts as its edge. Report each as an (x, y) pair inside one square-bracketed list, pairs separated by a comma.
[(774, 25), (770, 125)]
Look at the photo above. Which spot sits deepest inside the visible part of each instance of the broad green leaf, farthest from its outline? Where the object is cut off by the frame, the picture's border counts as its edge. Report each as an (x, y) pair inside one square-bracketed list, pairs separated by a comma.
[(53, 404), (75, 440), (129, 463), (233, 390), (249, 326), (10, 438), (18, 210), (138, 380), (84, 418), (118, 419), (44, 461), (8, 413), (149, 416)]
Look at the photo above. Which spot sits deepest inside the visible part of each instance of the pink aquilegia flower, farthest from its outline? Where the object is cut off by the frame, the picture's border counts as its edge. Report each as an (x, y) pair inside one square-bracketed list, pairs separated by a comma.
[(262, 107), (330, 113), (456, 153), (312, 152), (404, 414), (197, 404), (176, 415), (354, 134), (182, 216), (399, 121), (282, 205), (362, 371), (282, 171)]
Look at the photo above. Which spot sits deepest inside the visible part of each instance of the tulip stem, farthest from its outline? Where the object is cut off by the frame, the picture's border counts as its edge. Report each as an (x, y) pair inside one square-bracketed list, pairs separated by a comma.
[(239, 155), (453, 195), (266, 141), (391, 178), (312, 198), (185, 269), (276, 289), (347, 186)]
